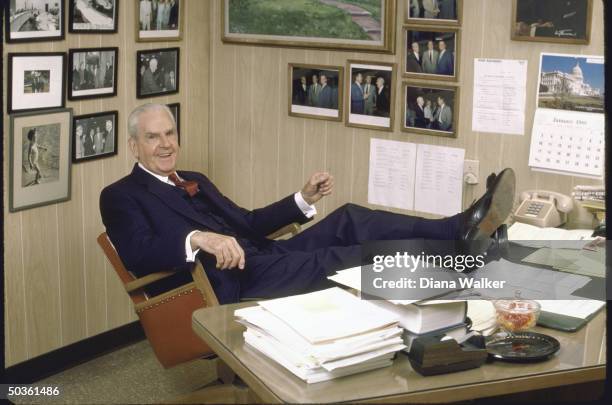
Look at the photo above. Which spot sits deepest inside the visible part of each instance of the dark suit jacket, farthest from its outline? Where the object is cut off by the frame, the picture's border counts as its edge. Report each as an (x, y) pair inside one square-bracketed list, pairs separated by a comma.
[(382, 103), (326, 98), (413, 64), (300, 96), (419, 121), (357, 101), (148, 222), (446, 64)]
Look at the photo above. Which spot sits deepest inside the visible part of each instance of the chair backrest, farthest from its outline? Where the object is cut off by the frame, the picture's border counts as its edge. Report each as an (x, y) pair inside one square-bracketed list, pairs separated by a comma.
[(166, 318)]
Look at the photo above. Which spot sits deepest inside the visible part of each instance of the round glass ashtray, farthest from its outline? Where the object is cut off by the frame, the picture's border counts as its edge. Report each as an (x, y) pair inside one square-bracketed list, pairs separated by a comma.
[(522, 346)]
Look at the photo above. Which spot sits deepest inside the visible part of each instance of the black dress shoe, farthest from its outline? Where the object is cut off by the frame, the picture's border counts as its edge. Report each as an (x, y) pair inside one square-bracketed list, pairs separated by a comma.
[(482, 219)]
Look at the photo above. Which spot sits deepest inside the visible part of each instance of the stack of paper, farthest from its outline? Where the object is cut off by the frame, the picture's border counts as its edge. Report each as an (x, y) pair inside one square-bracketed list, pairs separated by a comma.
[(322, 335), (533, 236)]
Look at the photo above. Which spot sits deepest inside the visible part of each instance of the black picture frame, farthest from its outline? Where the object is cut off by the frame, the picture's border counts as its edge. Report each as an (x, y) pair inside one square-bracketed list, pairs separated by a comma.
[(142, 61), (10, 39), (77, 151), (93, 92), (72, 29), (175, 108), (11, 57)]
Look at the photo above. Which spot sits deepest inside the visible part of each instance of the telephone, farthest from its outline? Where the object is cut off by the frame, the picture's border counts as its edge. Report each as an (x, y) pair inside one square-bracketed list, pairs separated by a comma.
[(543, 208)]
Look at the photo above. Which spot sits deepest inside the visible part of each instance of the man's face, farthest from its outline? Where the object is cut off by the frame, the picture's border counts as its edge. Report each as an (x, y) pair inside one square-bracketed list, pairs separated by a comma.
[(415, 47), (315, 79), (442, 45), (380, 82), (430, 45), (323, 80), (153, 65), (303, 79), (359, 78), (79, 131), (156, 145), (368, 79), (440, 101), (420, 101), (109, 126)]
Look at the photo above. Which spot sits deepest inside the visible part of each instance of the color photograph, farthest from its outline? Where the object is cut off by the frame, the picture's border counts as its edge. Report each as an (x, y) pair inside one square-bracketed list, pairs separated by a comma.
[(571, 82), (444, 12), (93, 16), (430, 110), (431, 54), (35, 20), (567, 21), (158, 20), (341, 24), (371, 95), (93, 73), (157, 72), (316, 91)]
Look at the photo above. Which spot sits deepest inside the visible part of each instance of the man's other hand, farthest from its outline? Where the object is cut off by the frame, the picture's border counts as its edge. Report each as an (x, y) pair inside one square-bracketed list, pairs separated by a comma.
[(319, 185), (226, 249)]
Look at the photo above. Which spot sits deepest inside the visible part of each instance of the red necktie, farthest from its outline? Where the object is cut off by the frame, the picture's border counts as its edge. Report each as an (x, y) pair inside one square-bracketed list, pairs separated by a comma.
[(191, 187)]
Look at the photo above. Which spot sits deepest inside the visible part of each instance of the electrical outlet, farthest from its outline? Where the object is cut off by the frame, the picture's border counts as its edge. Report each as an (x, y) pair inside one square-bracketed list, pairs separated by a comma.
[(471, 168)]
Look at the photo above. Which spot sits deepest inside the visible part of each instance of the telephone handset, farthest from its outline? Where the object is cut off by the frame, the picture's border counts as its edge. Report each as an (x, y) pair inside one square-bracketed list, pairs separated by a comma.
[(543, 208)]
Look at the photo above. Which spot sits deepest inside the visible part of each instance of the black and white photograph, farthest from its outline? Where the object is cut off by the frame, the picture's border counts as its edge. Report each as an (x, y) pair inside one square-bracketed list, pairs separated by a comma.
[(315, 91), (94, 136), (175, 109), (430, 110), (440, 12), (93, 16), (431, 54), (558, 21), (371, 95), (157, 72), (35, 20), (36, 81), (159, 20), (39, 159), (93, 73)]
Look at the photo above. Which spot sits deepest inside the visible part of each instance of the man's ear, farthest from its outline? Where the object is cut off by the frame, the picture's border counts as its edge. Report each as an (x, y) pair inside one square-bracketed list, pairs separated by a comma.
[(133, 147)]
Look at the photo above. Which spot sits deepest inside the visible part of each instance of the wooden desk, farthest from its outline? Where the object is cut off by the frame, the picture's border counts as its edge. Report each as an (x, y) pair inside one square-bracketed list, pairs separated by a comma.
[(581, 359)]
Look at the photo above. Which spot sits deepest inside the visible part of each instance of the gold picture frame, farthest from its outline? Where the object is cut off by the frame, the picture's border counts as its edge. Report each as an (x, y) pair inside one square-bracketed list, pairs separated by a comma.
[(384, 44), (160, 35), (517, 31), (310, 107), (456, 22), (356, 112), (428, 128), (436, 34)]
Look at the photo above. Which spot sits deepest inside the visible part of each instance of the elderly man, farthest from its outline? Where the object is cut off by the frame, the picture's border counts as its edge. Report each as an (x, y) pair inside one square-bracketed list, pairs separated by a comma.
[(160, 218), (149, 78)]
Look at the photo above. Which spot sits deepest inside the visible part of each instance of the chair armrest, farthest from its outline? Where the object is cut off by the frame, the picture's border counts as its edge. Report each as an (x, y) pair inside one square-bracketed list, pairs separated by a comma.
[(141, 282), (293, 229)]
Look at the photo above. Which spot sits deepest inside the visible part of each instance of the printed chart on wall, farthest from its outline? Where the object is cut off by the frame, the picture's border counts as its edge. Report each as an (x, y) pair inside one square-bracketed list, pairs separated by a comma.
[(568, 128)]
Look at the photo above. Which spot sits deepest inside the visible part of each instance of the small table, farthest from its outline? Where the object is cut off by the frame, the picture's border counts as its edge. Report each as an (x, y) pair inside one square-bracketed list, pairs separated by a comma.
[(581, 359)]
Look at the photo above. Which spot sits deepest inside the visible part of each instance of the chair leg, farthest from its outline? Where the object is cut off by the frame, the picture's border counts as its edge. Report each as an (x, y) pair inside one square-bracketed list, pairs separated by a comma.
[(225, 373)]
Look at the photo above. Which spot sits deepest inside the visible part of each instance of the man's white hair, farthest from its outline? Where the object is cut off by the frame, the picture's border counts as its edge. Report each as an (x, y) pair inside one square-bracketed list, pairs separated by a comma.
[(134, 118)]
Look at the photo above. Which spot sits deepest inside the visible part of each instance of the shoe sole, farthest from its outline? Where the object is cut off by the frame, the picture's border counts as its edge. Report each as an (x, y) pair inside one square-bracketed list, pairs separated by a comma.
[(502, 202)]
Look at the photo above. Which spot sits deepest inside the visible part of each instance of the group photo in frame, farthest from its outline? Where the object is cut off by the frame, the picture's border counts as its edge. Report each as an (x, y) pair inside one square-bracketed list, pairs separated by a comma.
[(435, 12), (567, 22), (315, 91), (159, 20), (93, 16), (36, 81), (157, 72), (430, 109), (175, 109), (371, 95), (39, 168), (34, 20), (431, 53), (365, 25), (92, 73), (94, 136)]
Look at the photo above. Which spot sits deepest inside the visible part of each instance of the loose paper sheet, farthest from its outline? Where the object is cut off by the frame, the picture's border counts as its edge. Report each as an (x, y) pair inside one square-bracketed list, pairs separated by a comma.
[(391, 181), (500, 88), (439, 180)]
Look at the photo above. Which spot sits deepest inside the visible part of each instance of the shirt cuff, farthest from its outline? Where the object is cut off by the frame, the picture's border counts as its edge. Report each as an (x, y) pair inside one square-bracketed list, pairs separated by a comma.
[(190, 255), (308, 210)]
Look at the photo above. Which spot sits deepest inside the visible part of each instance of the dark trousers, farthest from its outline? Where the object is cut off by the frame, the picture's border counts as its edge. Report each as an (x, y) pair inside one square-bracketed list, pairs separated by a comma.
[(303, 262)]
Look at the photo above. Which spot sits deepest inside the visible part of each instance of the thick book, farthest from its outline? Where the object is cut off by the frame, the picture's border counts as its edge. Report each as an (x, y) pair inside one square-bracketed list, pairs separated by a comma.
[(428, 316), (456, 332)]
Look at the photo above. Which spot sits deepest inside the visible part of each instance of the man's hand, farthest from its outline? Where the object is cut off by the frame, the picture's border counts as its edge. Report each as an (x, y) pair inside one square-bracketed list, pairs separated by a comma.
[(319, 185), (226, 249)]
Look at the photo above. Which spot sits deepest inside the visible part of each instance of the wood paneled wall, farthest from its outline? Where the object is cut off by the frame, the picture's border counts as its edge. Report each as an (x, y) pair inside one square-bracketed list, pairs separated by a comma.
[(59, 289), (258, 153)]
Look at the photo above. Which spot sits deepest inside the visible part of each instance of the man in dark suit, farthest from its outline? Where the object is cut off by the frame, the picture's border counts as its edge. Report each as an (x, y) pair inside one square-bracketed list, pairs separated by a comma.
[(446, 65), (160, 218), (326, 94), (149, 78), (173, 18), (108, 75), (382, 98), (413, 59), (300, 92), (357, 95), (419, 120)]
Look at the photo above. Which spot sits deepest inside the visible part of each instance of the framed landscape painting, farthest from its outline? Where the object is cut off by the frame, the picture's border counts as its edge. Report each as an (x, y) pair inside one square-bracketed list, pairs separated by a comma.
[(364, 25)]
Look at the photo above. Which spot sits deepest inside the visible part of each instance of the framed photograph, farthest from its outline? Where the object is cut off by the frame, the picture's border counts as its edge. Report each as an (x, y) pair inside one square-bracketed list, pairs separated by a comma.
[(39, 159), (159, 20), (430, 109), (34, 20), (431, 54), (571, 83), (94, 136), (93, 16), (567, 22), (437, 12), (315, 91), (175, 109), (92, 73), (36, 81), (157, 72), (371, 96), (364, 25)]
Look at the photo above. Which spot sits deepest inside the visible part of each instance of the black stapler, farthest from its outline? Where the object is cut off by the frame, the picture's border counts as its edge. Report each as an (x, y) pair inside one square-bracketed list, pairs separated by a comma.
[(431, 355)]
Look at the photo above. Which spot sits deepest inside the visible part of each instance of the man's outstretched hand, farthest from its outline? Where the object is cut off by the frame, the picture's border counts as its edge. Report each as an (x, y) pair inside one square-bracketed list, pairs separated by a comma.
[(319, 185), (226, 249)]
